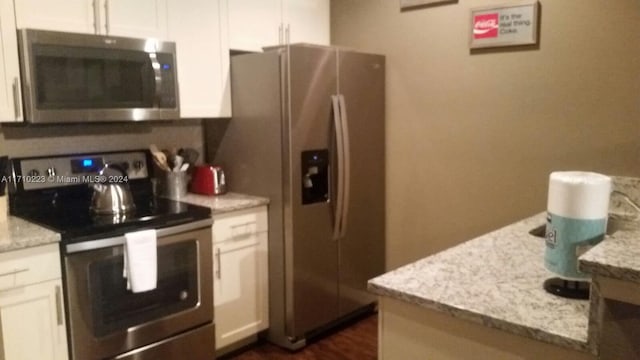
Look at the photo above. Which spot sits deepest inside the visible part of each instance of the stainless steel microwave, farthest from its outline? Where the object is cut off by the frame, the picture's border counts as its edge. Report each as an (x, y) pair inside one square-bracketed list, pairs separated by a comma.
[(68, 77)]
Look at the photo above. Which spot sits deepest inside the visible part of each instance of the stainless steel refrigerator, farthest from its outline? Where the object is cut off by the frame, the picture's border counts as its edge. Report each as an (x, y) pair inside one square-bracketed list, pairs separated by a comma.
[(308, 133)]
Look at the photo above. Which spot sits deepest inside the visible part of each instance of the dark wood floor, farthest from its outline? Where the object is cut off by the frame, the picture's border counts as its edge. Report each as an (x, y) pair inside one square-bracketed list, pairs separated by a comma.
[(358, 341)]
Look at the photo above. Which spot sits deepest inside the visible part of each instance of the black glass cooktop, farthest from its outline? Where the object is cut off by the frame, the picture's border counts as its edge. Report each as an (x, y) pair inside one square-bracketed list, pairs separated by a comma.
[(65, 207), (76, 223)]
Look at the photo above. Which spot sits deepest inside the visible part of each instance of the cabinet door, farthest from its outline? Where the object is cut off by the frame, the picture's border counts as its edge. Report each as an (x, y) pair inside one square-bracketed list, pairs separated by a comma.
[(140, 18), (32, 319), (10, 99), (199, 29), (240, 288), (57, 15), (254, 24), (307, 21)]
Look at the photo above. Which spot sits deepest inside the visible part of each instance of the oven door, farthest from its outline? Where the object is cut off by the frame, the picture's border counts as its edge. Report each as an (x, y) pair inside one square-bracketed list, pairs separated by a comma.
[(106, 319)]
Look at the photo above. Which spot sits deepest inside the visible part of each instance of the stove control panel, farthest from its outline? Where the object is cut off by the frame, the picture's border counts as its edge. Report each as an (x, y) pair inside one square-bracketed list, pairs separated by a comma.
[(59, 171)]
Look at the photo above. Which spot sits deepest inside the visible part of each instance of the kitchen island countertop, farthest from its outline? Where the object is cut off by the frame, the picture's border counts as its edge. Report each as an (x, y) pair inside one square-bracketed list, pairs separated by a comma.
[(494, 280), (17, 233), (617, 257)]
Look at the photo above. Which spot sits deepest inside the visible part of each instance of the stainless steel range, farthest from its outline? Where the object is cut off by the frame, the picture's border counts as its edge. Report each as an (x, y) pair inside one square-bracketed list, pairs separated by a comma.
[(105, 320)]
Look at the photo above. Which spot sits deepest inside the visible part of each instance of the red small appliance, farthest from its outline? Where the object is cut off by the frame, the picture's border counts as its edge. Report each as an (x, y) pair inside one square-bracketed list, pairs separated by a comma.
[(208, 180)]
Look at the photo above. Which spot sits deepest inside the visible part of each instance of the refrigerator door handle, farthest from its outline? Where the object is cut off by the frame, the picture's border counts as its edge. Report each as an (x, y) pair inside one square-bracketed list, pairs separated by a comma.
[(346, 170), (337, 220)]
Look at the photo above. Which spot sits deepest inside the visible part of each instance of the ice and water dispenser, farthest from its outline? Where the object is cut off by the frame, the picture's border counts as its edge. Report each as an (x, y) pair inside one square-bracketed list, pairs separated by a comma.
[(315, 176)]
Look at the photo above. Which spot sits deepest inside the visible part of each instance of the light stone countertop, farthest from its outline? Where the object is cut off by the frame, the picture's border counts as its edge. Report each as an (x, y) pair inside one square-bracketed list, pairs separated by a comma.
[(495, 280), (17, 233), (618, 257), (225, 203)]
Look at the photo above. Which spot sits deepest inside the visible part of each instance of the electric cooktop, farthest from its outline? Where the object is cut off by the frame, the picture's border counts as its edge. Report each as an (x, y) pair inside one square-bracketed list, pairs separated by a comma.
[(50, 192)]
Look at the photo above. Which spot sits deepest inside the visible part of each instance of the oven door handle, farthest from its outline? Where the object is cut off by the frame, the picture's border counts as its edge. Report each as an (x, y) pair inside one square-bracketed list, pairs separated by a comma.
[(120, 240)]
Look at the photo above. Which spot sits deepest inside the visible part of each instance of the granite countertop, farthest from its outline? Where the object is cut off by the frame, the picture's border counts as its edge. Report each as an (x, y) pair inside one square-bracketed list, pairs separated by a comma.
[(225, 203), (495, 280), (618, 257), (17, 234)]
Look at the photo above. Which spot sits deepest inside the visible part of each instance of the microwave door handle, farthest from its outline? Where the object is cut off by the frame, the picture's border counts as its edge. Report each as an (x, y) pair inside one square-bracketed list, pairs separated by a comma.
[(157, 75)]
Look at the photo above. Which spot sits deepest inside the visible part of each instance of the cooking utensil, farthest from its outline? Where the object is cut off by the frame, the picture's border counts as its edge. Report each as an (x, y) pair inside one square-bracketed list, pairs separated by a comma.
[(159, 158), (111, 198), (189, 155), (177, 163)]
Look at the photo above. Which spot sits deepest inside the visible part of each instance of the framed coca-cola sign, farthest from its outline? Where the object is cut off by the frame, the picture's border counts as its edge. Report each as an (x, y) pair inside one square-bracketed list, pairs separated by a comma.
[(504, 25)]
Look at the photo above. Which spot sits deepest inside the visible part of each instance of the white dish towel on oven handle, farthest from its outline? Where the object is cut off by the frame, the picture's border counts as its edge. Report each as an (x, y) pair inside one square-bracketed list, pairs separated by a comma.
[(141, 260)]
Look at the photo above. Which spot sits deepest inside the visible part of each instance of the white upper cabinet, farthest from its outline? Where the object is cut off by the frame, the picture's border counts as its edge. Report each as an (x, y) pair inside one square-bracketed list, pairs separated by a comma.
[(199, 28), (307, 21), (57, 15), (140, 18), (254, 24), (10, 99)]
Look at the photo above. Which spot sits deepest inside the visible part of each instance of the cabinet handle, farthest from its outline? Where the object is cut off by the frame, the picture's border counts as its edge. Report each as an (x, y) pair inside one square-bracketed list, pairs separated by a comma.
[(16, 98), (96, 16), (15, 271), (106, 16), (287, 34), (218, 267), (59, 304), (243, 230)]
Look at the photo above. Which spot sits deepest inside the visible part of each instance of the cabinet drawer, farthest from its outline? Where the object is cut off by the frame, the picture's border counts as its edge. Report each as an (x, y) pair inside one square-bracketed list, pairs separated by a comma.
[(239, 225), (29, 266)]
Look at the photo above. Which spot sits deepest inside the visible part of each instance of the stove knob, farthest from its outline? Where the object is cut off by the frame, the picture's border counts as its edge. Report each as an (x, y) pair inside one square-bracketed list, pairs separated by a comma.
[(33, 172), (138, 165), (51, 171)]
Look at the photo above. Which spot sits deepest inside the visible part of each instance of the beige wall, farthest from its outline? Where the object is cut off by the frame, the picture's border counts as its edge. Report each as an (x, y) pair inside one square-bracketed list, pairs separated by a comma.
[(471, 139)]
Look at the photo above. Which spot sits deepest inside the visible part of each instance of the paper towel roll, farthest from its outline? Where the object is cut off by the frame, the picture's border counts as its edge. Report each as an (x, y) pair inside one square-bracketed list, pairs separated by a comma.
[(577, 206), (578, 194)]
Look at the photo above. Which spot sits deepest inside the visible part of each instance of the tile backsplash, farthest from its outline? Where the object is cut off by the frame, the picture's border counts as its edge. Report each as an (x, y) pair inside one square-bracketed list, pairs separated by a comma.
[(34, 140)]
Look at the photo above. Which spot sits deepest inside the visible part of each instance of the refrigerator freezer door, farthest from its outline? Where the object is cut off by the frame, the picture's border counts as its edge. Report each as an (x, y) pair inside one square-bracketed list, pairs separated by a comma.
[(362, 247), (312, 270)]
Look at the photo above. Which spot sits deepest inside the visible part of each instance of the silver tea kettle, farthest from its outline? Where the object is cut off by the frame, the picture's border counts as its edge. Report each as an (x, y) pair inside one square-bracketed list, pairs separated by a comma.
[(111, 197)]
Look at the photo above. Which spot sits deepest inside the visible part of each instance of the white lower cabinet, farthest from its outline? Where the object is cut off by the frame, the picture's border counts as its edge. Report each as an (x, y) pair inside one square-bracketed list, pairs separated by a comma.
[(240, 265), (31, 305)]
